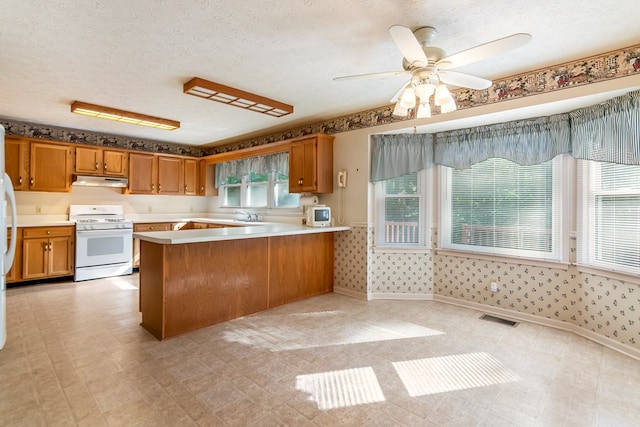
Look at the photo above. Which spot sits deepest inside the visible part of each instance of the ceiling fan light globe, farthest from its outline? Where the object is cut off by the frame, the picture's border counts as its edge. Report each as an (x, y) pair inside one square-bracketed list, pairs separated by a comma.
[(448, 107), (424, 91), (442, 95), (399, 110), (424, 110), (408, 98)]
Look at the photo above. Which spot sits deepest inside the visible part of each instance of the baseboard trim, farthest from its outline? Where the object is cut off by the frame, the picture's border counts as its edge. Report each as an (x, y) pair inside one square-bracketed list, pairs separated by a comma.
[(404, 297), (350, 293), (556, 324)]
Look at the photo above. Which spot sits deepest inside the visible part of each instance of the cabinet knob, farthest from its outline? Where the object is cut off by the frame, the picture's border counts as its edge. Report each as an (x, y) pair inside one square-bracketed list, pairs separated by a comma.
[(105, 165), (48, 231), (96, 165), (185, 187), (31, 182), (151, 228), (159, 188), (20, 180), (153, 187)]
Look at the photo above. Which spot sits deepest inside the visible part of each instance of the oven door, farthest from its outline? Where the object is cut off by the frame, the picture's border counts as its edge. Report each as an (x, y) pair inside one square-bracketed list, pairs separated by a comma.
[(102, 247)]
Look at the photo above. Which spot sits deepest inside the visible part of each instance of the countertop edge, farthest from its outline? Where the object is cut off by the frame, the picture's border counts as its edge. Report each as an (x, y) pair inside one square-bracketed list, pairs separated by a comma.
[(235, 233)]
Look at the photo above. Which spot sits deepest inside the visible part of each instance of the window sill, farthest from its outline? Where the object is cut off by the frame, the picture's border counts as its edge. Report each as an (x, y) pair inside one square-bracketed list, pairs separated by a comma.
[(506, 259), (401, 250), (610, 274)]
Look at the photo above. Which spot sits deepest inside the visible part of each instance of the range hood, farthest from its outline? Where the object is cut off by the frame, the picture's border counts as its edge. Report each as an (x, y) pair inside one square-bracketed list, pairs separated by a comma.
[(99, 181)]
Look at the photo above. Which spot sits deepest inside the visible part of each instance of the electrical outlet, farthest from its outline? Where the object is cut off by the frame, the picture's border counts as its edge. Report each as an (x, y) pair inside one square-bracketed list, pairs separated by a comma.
[(38, 209), (494, 287)]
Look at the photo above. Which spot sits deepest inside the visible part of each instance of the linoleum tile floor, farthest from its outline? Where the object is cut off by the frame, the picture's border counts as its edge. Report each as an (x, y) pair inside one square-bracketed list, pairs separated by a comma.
[(77, 355)]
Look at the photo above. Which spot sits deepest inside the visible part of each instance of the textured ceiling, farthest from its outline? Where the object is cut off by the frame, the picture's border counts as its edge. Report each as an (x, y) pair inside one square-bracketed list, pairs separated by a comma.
[(136, 55)]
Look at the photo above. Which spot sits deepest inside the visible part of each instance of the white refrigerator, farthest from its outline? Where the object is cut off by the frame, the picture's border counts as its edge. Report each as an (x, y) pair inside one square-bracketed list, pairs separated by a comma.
[(9, 250)]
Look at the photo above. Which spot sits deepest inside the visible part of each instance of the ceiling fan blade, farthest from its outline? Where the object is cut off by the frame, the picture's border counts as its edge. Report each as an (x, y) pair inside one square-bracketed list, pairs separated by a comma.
[(395, 97), (408, 44), (382, 74), (483, 51), (463, 80)]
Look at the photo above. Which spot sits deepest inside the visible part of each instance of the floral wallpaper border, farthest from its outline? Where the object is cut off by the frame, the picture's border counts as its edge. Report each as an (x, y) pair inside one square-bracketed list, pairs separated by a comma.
[(607, 66), (616, 64)]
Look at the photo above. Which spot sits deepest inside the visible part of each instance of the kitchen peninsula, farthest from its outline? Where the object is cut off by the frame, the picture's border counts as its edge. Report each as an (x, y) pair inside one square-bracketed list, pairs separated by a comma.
[(195, 278)]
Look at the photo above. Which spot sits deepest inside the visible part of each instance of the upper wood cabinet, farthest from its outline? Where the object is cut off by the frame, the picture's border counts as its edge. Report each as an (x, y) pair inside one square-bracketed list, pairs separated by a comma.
[(50, 167), (17, 162), (99, 161), (170, 175), (191, 173), (143, 173), (165, 175), (311, 165)]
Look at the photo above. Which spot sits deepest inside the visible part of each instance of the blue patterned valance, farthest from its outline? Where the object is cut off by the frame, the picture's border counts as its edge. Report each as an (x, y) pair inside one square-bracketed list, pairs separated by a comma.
[(397, 155), (608, 132), (278, 162)]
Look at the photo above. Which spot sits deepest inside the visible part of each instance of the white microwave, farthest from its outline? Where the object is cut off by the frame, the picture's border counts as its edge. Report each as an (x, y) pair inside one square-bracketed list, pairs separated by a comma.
[(318, 216)]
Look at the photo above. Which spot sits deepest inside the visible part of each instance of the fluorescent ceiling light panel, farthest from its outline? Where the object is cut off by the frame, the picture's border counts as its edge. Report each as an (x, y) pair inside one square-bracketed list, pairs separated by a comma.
[(108, 113), (238, 98)]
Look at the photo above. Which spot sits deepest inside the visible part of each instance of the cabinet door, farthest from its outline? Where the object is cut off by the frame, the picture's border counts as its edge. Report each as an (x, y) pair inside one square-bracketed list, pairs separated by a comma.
[(191, 177), (142, 173), (170, 175), (88, 160), (155, 226), (16, 156), (60, 254), (115, 163), (302, 166), (34, 258), (50, 168)]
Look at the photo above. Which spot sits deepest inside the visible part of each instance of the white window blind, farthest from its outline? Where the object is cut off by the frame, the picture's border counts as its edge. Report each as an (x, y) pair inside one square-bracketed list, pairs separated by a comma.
[(499, 207), (400, 211), (609, 216)]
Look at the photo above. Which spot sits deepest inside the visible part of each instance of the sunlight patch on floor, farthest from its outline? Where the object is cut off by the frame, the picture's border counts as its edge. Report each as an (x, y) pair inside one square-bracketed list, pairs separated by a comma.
[(339, 389), (448, 373), (300, 331)]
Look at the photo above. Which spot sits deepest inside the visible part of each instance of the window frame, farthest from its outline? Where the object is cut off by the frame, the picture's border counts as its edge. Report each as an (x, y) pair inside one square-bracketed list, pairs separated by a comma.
[(244, 185), (559, 205), (586, 235), (424, 194)]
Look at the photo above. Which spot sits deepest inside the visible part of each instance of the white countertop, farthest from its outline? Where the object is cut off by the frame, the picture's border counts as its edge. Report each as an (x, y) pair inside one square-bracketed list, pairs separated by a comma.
[(231, 233)]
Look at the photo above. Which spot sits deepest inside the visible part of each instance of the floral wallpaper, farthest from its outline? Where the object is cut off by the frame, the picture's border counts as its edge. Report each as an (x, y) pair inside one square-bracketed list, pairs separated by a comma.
[(608, 307), (350, 259), (400, 273)]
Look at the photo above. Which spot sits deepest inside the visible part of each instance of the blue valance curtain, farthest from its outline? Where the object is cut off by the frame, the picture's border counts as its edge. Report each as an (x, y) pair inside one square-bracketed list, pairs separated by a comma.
[(397, 155), (278, 162), (526, 142), (608, 132)]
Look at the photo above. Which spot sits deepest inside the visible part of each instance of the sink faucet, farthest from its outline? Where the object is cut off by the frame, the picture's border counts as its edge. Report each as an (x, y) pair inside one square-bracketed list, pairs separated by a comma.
[(249, 216)]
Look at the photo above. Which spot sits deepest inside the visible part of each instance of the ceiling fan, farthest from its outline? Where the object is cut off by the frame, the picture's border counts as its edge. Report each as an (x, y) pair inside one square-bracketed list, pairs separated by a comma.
[(430, 69)]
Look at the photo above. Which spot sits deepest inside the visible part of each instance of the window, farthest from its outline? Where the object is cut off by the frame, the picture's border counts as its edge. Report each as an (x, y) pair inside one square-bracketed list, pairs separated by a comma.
[(401, 211), (609, 216), (268, 190), (499, 207)]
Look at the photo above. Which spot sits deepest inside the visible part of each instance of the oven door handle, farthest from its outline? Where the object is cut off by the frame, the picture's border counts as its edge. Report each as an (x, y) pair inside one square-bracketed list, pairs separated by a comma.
[(106, 233)]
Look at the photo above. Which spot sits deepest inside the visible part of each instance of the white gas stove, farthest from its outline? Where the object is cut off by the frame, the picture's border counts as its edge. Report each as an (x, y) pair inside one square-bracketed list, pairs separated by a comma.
[(104, 241), (98, 217)]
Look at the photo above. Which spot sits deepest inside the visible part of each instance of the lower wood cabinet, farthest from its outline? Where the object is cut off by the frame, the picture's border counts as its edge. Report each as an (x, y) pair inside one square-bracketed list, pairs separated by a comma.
[(146, 226), (47, 252)]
